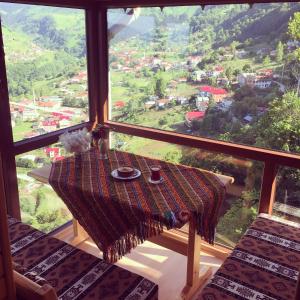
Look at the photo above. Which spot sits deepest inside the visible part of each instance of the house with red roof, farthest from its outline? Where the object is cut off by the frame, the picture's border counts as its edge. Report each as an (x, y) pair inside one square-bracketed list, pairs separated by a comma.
[(49, 125), (53, 152), (61, 116), (119, 104), (192, 116), (48, 104), (217, 94), (216, 71)]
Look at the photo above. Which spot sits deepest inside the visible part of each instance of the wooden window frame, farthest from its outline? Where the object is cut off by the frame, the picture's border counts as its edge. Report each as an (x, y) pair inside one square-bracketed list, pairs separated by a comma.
[(97, 58)]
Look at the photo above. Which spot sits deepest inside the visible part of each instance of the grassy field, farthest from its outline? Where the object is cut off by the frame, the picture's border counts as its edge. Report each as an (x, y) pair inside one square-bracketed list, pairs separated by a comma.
[(21, 129)]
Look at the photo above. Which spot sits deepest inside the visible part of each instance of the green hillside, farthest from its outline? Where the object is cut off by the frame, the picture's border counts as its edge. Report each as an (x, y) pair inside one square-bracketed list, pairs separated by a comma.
[(19, 47), (52, 28)]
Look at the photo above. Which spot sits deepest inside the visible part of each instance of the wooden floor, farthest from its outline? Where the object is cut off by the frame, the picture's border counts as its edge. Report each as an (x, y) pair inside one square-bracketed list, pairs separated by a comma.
[(160, 265)]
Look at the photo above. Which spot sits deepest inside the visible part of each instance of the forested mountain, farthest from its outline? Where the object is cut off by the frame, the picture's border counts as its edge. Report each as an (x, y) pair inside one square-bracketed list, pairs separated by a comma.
[(51, 28), (223, 24), (220, 25)]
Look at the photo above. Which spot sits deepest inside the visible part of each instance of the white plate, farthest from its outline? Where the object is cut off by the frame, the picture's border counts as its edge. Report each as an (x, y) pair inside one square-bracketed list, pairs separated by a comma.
[(136, 174), (157, 181)]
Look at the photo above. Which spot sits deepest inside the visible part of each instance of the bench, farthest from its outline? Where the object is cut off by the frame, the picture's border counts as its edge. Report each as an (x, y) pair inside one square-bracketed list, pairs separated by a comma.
[(264, 265), (65, 272)]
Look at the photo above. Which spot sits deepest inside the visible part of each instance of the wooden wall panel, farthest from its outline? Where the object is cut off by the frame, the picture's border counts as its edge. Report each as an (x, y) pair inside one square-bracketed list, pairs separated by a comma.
[(7, 288)]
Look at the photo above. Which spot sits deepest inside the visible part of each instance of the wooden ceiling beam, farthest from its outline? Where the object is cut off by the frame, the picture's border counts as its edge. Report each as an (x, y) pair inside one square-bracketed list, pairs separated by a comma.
[(134, 3)]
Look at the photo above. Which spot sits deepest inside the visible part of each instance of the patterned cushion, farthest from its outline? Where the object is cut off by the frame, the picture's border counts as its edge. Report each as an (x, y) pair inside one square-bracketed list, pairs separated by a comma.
[(264, 265), (33, 276), (73, 273)]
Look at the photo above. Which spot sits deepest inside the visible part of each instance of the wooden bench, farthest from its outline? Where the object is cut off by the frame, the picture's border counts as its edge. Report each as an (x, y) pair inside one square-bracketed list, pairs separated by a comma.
[(66, 272), (265, 264)]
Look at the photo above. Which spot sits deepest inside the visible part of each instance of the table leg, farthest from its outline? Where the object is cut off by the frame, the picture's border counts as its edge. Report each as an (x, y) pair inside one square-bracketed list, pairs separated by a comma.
[(193, 281), (80, 234)]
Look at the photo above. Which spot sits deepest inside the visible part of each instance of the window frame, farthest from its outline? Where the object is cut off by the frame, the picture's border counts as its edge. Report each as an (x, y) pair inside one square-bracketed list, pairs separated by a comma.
[(97, 61)]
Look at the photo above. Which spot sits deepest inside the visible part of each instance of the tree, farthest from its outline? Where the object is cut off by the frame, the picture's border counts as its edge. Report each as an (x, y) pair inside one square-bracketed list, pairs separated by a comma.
[(294, 31), (279, 128), (160, 85), (279, 52), (160, 38), (229, 73), (294, 26), (267, 60), (247, 68), (233, 46)]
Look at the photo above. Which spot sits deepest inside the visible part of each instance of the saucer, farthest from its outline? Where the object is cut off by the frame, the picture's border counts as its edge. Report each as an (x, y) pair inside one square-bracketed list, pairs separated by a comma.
[(136, 174), (156, 181)]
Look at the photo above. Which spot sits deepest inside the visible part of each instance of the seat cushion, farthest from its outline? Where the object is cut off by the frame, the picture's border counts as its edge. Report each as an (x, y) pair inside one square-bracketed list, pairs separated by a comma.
[(265, 265), (73, 273)]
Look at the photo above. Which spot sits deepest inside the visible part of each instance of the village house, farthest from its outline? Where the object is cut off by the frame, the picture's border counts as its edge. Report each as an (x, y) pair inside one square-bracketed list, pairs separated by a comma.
[(149, 104), (263, 82), (119, 104), (182, 100), (56, 99), (265, 72), (49, 125), (82, 96), (248, 119), (292, 45), (61, 116), (227, 56), (182, 79), (246, 79), (30, 134), (222, 81), (202, 103), (161, 103), (28, 114), (194, 60), (53, 152), (224, 105), (215, 72), (14, 114), (48, 105), (198, 75), (253, 80), (193, 116), (217, 94)]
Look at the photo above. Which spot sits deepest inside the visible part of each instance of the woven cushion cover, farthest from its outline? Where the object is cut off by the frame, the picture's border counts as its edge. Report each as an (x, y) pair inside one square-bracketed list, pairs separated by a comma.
[(264, 265), (73, 273)]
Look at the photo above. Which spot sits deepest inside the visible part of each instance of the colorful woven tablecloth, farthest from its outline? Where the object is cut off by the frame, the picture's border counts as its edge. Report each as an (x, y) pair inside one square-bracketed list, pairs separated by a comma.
[(118, 215)]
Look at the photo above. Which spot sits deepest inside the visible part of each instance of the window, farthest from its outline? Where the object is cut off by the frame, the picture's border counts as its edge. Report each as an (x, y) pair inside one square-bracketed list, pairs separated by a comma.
[(226, 72), (286, 203), (241, 202), (46, 68), (40, 206)]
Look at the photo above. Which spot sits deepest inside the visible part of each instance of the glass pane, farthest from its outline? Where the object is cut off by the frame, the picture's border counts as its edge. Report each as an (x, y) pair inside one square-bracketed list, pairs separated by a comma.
[(40, 206), (241, 203), (226, 72), (287, 200), (46, 67)]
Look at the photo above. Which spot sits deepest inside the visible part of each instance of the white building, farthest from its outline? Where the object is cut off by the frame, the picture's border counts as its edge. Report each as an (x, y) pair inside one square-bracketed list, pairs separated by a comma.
[(253, 80), (202, 103)]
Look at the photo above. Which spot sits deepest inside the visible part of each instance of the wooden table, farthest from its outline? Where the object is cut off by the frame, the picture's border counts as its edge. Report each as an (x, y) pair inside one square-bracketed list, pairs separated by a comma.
[(193, 281)]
